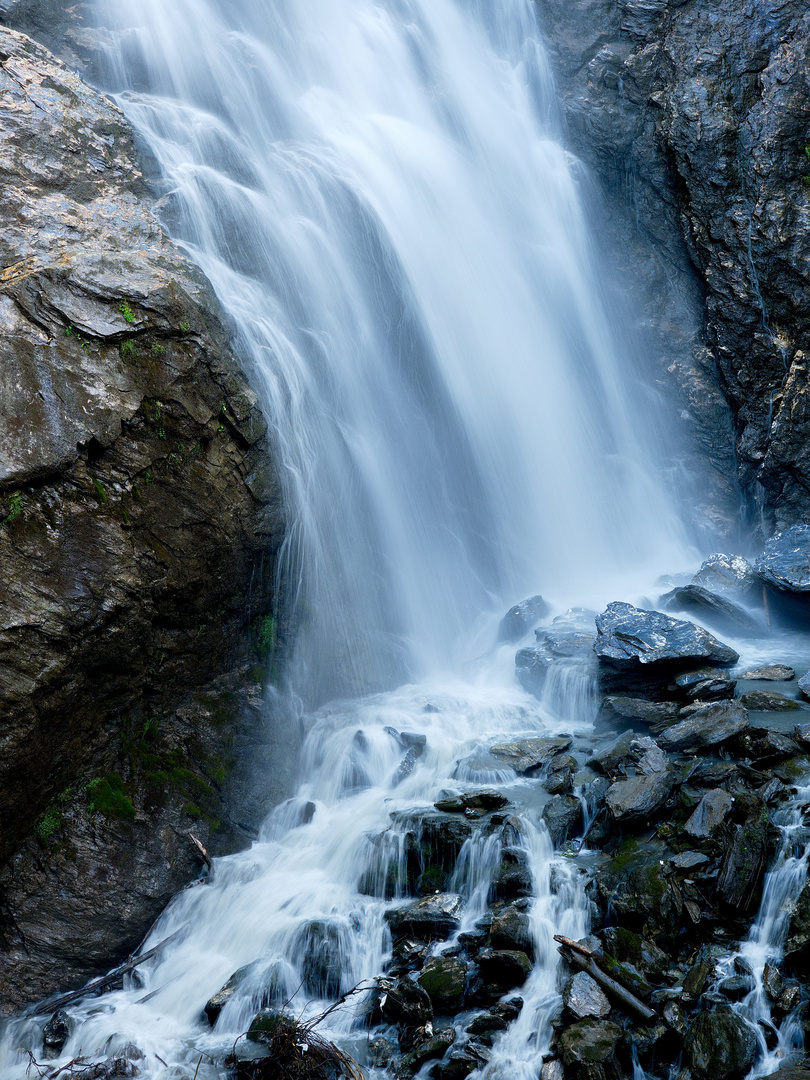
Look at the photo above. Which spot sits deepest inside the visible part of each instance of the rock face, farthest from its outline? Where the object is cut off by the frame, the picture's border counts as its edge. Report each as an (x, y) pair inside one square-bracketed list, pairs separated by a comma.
[(694, 116), (785, 562), (139, 508)]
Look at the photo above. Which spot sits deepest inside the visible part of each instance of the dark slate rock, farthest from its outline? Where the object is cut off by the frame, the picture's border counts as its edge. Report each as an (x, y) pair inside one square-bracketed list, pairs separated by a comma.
[(704, 684), (736, 986), (486, 799), (626, 947), (719, 612), (630, 748), (511, 929), (504, 969), (720, 1045), (639, 797), (797, 944), (405, 1002), (589, 1043), (768, 701), (526, 755), (434, 1047), (770, 673), (583, 997), (445, 979), (709, 814), (707, 726), (532, 664), (772, 981), (215, 1004), (56, 1033), (563, 817), (689, 860), (632, 639), (514, 878), (785, 562), (731, 574), (434, 916), (617, 709), (744, 864), (522, 618), (804, 685)]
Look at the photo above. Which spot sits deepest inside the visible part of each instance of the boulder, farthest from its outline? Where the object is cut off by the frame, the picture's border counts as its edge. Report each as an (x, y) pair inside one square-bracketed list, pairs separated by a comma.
[(526, 755), (511, 929), (709, 814), (770, 673), (804, 685), (639, 797), (445, 979), (405, 1002), (56, 1033), (768, 701), (532, 664), (322, 946), (583, 997), (635, 881), (632, 639), (485, 799), (217, 1002), (720, 1045), (743, 865), (561, 769), (727, 574), (436, 1046), (588, 1049), (785, 562), (630, 748), (563, 817), (522, 618), (719, 612), (504, 969), (797, 943), (705, 684), (706, 726), (513, 878), (433, 917)]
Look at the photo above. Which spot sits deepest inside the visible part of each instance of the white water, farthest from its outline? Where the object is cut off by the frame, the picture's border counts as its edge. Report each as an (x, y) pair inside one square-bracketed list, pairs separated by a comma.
[(378, 193)]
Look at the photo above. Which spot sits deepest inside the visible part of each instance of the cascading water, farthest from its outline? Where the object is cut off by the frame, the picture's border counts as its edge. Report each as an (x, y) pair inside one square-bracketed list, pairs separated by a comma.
[(379, 197)]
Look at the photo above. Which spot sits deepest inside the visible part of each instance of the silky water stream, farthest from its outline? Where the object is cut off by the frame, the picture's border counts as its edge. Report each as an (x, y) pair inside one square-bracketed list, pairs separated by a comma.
[(378, 193)]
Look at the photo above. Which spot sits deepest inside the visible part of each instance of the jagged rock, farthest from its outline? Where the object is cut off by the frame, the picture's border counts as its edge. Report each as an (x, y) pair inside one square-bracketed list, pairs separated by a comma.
[(707, 726), (460, 1063), (529, 754), (638, 797), (56, 1033), (720, 1045), (552, 1070), (522, 618), (486, 799), (709, 814), (583, 997), (689, 860), (804, 685), (785, 562), (697, 978), (736, 986), (588, 1049), (513, 878), (705, 684), (432, 917), (615, 709), (434, 1047), (269, 1023), (511, 929), (504, 969), (772, 981), (563, 817), (731, 574), (637, 750), (380, 1052), (719, 612), (632, 639), (628, 948), (217, 1002), (768, 701), (405, 1002), (444, 978), (744, 864), (635, 881), (770, 673), (797, 944)]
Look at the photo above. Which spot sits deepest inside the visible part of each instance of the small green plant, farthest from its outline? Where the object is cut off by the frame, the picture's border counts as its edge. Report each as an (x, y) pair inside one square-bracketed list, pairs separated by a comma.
[(15, 507), (106, 795), (50, 824), (150, 728), (127, 350), (185, 326), (70, 332), (157, 350), (101, 494), (161, 432), (264, 636), (127, 312)]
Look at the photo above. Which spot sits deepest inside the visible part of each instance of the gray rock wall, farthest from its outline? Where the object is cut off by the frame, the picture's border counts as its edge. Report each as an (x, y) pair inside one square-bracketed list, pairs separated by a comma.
[(695, 115)]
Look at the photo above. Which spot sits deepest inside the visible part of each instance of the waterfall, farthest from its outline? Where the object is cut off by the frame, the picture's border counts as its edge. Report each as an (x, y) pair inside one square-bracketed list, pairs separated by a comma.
[(378, 193)]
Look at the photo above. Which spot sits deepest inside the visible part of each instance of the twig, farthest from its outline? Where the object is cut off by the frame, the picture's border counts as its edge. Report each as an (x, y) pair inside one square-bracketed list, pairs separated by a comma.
[(569, 943), (197, 845)]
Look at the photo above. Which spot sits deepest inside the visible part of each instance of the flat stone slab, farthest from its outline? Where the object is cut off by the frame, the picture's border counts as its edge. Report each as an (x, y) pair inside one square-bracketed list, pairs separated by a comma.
[(630, 638), (706, 727), (526, 755)]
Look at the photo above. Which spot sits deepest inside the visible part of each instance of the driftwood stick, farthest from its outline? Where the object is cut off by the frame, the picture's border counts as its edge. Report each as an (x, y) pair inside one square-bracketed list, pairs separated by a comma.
[(198, 847), (569, 943), (610, 986), (105, 980)]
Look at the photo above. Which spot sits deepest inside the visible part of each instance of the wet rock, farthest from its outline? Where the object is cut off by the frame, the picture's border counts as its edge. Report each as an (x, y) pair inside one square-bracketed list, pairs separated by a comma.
[(705, 684), (736, 986), (522, 618), (405, 1002), (511, 929), (504, 969), (639, 797), (635, 881), (380, 1052), (785, 562), (689, 860), (561, 769), (322, 945), (628, 948), (270, 1023), (56, 1033), (583, 997), (485, 1023), (514, 878), (408, 954), (444, 978), (215, 1004), (727, 574), (433, 917), (770, 673), (552, 1070), (486, 799), (707, 726), (616, 710), (633, 749), (720, 1045), (674, 1016), (588, 1049), (718, 612), (632, 639), (744, 864), (532, 664), (772, 981), (527, 755), (460, 1063), (773, 746), (789, 999), (434, 1047), (697, 979), (563, 817), (797, 943), (709, 814), (768, 701), (804, 685)]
